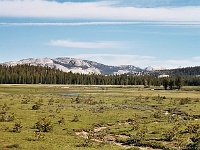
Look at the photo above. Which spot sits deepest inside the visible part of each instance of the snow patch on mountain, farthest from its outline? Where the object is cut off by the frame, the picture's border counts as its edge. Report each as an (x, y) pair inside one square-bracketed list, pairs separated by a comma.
[(153, 68), (77, 65)]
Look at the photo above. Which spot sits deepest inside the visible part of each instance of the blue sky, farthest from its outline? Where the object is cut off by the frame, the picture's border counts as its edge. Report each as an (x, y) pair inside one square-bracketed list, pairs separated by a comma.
[(114, 32)]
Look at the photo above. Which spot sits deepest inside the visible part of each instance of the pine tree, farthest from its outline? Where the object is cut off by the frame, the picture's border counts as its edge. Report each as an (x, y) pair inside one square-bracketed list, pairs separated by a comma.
[(179, 82)]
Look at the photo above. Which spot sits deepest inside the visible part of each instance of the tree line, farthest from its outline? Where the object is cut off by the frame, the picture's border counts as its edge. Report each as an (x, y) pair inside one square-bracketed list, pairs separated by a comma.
[(187, 71), (28, 74)]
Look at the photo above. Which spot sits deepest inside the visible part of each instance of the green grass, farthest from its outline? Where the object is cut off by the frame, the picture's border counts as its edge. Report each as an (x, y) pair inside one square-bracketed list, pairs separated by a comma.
[(123, 110)]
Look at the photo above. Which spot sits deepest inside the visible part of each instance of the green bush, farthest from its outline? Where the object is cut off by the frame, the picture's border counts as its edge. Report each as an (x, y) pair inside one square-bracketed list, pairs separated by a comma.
[(61, 121), (136, 140), (86, 143), (195, 144), (26, 101), (38, 136), (36, 107), (134, 148), (7, 117), (184, 101), (168, 135), (44, 125), (17, 127), (154, 144), (192, 128), (75, 119), (13, 146), (5, 107)]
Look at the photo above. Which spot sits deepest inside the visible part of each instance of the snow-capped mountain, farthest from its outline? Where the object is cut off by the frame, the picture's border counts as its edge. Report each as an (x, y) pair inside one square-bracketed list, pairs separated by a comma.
[(153, 68), (77, 65)]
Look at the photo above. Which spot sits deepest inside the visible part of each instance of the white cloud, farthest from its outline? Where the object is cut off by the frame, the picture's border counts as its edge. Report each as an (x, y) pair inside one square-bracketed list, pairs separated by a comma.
[(170, 64), (197, 58), (138, 60), (75, 23), (87, 45), (117, 59), (94, 10), (149, 23)]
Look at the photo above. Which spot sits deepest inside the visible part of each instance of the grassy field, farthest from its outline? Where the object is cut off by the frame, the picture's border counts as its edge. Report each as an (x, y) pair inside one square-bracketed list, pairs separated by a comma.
[(48, 117)]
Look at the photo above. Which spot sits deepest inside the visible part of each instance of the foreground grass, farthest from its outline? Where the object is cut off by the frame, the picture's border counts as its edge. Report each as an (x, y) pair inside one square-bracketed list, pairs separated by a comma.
[(130, 115)]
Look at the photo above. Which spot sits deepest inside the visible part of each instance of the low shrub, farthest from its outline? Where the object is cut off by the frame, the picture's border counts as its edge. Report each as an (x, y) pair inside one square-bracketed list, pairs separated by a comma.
[(7, 117), (184, 101), (61, 121), (192, 128), (17, 127), (44, 125), (39, 136), (168, 135), (36, 107), (75, 119), (13, 146)]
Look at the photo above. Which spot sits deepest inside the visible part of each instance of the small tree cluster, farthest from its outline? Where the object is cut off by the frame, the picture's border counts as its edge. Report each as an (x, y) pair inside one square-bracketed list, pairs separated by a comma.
[(170, 82)]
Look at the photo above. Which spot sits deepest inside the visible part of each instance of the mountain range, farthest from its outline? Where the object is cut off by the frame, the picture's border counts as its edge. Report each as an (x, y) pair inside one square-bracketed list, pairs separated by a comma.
[(81, 66)]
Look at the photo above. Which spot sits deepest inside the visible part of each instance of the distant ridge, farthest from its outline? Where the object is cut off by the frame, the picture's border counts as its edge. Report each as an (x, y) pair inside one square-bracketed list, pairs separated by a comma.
[(78, 66)]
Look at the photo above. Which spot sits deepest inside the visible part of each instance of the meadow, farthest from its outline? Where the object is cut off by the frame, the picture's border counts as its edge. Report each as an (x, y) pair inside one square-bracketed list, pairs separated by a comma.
[(63, 117)]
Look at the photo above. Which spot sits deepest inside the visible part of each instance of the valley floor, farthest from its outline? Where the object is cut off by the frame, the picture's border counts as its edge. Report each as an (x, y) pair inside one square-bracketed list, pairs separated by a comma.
[(98, 117)]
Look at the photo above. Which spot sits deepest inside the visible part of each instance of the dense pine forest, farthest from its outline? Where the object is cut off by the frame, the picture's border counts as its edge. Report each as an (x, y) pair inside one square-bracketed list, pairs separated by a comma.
[(27, 74), (189, 71)]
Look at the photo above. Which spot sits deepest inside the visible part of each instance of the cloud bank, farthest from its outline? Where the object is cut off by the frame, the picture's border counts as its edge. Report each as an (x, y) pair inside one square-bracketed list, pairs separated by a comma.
[(117, 59), (103, 10), (138, 60), (87, 45), (147, 23)]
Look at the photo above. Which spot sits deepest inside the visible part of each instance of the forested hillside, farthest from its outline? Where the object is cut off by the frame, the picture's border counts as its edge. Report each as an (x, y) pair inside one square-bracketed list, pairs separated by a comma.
[(27, 74), (188, 71)]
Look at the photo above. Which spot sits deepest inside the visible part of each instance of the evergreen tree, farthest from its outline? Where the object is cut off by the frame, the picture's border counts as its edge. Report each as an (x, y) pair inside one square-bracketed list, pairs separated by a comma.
[(165, 83), (179, 82)]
